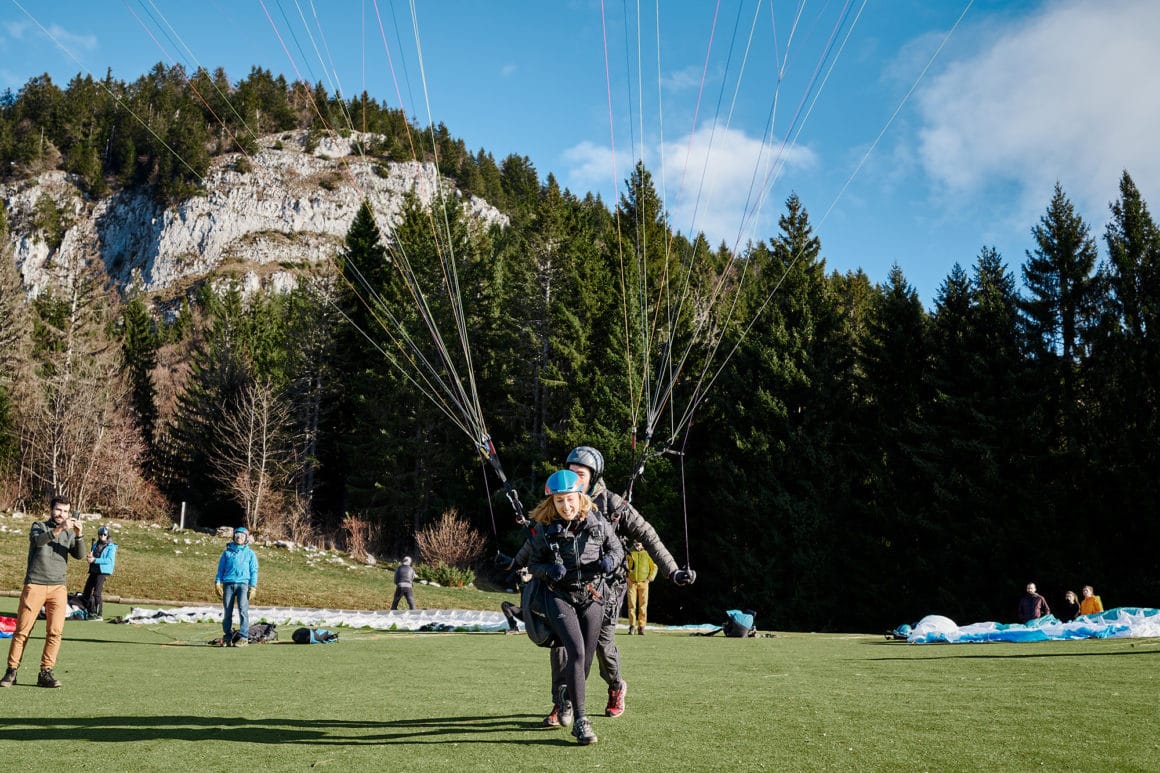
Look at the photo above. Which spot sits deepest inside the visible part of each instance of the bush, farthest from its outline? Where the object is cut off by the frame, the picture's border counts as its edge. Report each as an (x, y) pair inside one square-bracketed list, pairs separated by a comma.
[(447, 576), (359, 534), (452, 541)]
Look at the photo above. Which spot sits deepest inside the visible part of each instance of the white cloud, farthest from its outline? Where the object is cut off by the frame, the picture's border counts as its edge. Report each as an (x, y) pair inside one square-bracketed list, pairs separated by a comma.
[(15, 29), (71, 41), (591, 167), (685, 79), (508, 70), (714, 182), (1069, 94)]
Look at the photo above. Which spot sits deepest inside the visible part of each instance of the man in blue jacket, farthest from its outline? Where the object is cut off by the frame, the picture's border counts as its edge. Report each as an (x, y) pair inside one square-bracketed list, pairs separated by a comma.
[(237, 583)]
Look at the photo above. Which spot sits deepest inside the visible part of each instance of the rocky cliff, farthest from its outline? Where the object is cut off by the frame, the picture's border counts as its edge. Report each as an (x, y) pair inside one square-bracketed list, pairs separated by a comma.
[(291, 209)]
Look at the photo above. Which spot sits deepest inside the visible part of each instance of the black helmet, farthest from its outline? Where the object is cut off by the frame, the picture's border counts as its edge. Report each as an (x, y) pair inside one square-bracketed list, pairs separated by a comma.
[(590, 458)]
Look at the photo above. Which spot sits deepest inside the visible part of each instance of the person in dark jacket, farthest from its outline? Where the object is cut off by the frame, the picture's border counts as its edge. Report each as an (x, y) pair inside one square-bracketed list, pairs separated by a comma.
[(1070, 609), (102, 559), (630, 527), (404, 580), (572, 549), (50, 543), (1031, 605)]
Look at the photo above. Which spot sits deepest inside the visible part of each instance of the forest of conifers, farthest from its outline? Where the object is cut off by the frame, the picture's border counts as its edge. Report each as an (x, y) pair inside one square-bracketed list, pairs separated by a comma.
[(838, 456)]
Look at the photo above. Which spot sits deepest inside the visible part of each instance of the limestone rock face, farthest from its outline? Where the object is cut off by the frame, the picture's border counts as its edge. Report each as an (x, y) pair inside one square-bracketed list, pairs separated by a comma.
[(291, 209)]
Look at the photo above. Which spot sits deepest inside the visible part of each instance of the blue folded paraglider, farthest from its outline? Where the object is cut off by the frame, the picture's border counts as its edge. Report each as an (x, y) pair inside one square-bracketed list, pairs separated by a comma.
[(1121, 622)]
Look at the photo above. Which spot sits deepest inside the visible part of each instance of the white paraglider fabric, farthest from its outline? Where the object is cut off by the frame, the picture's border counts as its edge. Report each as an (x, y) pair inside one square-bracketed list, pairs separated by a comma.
[(383, 620), (1121, 622)]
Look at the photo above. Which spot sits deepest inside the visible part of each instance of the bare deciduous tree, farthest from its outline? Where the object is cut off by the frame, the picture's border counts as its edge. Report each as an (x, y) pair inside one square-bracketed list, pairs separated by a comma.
[(253, 451), (79, 391)]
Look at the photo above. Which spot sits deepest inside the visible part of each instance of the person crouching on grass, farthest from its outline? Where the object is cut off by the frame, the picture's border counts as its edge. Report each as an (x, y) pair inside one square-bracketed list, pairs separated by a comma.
[(572, 553), (236, 583)]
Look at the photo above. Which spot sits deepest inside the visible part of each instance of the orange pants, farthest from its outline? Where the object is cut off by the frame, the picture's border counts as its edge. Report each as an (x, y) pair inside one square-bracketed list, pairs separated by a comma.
[(54, 599), (637, 603)]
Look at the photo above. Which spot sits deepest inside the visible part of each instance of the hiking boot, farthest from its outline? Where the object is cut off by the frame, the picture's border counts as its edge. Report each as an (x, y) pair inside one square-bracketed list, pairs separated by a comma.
[(46, 679), (640, 631), (9, 678), (561, 716), (553, 719), (631, 630), (583, 731), (616, 697), (242, 642)]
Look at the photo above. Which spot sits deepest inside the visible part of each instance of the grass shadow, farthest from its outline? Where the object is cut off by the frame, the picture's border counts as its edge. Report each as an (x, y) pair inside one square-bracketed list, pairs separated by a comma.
[(129, 729)]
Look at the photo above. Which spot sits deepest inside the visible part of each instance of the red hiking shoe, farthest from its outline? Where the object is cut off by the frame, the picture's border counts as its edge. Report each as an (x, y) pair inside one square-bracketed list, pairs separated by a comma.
[(616, 696)]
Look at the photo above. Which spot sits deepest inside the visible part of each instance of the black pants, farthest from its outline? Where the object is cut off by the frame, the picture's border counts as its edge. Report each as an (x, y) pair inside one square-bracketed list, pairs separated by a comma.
[(577, 626), (94, 593), (400, 593), (607, 655)]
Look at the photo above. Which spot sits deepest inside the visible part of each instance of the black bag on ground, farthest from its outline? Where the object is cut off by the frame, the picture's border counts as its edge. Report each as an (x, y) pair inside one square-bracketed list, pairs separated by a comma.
[(313, 636), (260, 633), (739, 623)]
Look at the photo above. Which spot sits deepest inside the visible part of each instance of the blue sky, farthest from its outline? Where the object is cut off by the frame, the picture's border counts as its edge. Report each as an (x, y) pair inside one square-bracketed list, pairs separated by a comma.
[(915, 132)]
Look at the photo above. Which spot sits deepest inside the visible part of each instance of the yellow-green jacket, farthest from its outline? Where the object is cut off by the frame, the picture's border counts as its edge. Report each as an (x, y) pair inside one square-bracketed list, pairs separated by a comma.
[(641, 567)]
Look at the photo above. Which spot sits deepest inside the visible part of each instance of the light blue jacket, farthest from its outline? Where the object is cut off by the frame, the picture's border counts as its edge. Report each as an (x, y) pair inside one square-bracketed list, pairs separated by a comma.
[(238, 564), (103, 564)]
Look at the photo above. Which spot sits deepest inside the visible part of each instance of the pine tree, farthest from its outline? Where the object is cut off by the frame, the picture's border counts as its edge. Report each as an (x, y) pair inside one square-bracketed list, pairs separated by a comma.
[(221, 368), (892, 437), (312, 387), (978, 473), (1123, 376), (1059, 314), (767, 436), (139, 352)]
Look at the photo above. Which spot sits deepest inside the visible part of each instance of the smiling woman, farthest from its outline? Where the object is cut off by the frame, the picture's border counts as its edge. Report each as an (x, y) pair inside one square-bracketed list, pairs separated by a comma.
[(571, 551)]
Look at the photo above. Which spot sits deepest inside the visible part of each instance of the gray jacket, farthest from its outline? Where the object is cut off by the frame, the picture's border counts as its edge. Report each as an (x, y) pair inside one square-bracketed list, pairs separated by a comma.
[(48, 554), (631, 526), (404, 576)]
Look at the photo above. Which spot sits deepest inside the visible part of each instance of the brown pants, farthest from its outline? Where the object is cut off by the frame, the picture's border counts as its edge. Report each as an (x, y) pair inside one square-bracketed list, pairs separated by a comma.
[(637, 603), (54, 599)]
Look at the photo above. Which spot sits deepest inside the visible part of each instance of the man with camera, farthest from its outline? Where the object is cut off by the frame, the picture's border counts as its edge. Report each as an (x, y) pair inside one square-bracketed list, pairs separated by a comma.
[(51, 542)]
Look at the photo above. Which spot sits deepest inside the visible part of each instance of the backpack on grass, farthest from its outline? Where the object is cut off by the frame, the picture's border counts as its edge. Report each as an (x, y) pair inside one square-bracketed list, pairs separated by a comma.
[(739, 624), (260, 633), (314, 636)]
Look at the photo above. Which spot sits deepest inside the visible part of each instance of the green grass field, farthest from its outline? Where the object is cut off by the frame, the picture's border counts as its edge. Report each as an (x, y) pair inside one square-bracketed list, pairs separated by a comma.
[(156, 697)]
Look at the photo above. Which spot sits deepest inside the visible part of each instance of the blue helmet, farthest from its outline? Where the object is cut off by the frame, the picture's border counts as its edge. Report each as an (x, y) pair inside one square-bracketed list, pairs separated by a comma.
[(563, 482), (102, 530), (241, 530)]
